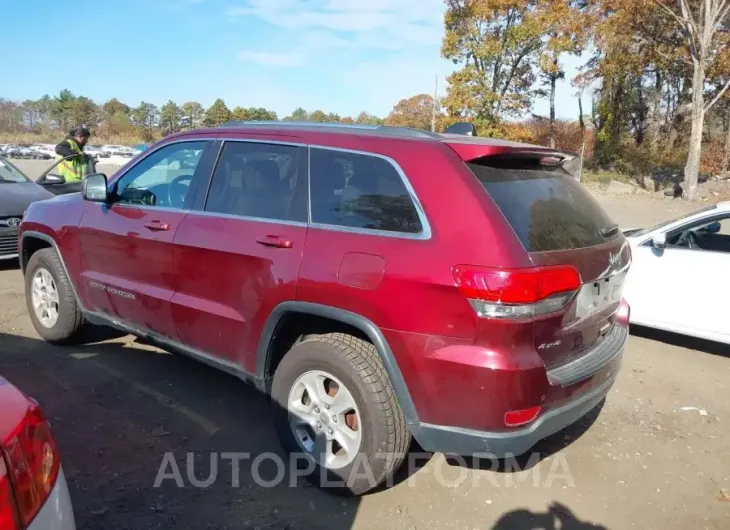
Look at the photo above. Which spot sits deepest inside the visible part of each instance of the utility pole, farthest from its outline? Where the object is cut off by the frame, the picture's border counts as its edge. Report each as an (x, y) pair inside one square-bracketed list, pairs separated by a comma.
[(435, 100)]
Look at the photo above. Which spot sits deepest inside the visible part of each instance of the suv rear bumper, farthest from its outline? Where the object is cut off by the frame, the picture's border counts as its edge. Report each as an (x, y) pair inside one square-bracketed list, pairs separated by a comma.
[(459, 441)]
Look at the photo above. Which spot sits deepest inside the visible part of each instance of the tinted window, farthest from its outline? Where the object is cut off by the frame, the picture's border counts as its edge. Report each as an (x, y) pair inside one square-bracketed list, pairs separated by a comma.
[(547, 208), (163, 178), (259, 180), (359, 191)]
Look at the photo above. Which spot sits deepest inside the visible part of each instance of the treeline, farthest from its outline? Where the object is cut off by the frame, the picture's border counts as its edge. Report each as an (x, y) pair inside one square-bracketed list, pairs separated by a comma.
[(114, 120), (656, 76)]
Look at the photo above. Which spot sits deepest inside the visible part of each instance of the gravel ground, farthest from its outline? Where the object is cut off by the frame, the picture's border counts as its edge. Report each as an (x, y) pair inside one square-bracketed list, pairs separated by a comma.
[(118, 407)]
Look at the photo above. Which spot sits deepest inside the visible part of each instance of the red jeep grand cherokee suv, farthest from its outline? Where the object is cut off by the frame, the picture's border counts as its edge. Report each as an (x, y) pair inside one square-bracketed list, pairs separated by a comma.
[(381, 284)]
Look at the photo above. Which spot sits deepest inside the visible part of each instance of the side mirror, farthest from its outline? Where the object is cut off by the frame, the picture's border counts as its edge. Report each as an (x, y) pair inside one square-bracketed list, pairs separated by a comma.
[(659, 240), (55, 179), (94, 188), (714, 228)]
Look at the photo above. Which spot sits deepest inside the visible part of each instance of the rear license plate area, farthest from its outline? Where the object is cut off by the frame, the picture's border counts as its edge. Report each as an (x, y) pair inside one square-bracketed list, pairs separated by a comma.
[(595, 297)]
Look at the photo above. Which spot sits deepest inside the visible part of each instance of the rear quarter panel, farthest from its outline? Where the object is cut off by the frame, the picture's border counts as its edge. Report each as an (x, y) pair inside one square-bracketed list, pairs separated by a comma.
[(417, 293)]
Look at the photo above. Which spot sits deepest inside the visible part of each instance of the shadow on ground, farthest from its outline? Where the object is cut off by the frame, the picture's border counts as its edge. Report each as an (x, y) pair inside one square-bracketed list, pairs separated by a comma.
[(558, 517), (683, 341), (118, 413)]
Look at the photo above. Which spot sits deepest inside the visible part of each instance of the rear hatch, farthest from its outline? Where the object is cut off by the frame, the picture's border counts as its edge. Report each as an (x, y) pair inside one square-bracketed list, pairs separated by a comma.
[(558, 222)]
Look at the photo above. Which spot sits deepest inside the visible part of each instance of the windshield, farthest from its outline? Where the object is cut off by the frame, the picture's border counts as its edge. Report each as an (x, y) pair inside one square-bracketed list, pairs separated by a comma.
[(10, 173), (670, 221)]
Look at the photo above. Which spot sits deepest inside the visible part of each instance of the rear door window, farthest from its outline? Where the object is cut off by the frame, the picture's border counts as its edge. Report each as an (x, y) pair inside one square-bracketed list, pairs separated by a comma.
[(360, 191), (546, 207)]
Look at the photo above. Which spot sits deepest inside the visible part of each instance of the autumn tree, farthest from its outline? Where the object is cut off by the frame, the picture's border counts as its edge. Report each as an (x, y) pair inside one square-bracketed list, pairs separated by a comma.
[(192, 114), (348, 120), (61, 109), (365, 118), (83, 111), (217, 114), (700, 23), (170, 117), (415, 112), (566, 24), (299, 114), (145, 118), (496, 43), (11, 116), (318, 116), (114, 107), (32, 113), (253, 114)]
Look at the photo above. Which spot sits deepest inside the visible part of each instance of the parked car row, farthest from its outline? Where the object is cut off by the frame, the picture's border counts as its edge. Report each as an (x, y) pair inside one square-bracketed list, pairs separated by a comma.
[(48, 151), (34, 152)]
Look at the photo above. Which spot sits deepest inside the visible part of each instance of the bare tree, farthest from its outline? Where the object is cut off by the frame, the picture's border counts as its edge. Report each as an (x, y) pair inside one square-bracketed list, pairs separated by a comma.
[(699, 22)]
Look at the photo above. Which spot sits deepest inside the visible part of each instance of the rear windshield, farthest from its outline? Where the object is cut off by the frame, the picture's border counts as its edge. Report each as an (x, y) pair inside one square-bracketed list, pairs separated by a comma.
[(547, 208)]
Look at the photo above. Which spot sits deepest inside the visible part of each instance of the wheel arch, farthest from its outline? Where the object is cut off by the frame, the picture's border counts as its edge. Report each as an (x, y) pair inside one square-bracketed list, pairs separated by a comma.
[(30, 243), (359, 322)]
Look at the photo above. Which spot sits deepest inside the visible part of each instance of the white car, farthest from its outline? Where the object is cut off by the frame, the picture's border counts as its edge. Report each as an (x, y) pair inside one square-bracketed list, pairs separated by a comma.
[(48, 150), (676, 279), (93, 152), (117, 150)]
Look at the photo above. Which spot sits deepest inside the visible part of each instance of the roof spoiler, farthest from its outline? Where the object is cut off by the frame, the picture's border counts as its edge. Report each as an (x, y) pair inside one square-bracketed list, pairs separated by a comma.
[(462, 127)]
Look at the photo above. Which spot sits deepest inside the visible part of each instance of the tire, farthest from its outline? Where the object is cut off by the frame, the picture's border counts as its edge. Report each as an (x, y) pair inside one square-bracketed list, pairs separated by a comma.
[(384, 435), (70, 321)]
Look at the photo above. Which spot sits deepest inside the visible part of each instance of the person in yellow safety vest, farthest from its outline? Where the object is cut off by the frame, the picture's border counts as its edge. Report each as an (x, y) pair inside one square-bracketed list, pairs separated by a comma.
[(74, 169)]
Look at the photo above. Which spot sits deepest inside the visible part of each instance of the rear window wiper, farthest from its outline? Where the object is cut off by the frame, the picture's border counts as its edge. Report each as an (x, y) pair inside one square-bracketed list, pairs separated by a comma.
[(608, 230)]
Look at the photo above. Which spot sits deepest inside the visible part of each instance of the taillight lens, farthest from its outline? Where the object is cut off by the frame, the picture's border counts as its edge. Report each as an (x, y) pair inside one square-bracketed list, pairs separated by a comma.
[(517, 293), (32, 463), (8, 516)]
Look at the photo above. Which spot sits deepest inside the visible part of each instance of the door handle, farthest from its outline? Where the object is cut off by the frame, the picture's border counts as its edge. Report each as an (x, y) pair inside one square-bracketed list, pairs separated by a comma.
[(274, 241), (157, 226)]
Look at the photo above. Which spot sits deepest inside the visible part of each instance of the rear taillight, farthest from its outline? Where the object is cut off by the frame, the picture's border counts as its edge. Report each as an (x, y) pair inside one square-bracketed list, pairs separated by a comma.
[(517, 293), (32, 464), (8, 515)]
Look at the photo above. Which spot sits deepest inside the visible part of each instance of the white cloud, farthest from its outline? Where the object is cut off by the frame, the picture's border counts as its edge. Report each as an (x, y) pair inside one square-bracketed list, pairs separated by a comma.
[(387, 49), (370, 23), (271, 59)]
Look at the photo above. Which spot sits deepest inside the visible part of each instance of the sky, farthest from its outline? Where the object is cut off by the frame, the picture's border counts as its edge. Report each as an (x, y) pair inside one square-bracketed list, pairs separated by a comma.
[(342, 56)]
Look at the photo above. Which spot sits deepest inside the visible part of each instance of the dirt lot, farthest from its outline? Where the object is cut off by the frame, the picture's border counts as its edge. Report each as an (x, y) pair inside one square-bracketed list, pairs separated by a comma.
[(118, 407)]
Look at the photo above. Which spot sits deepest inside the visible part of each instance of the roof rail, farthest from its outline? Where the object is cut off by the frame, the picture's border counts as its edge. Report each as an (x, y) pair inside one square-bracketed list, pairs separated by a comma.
[(341, 127)]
